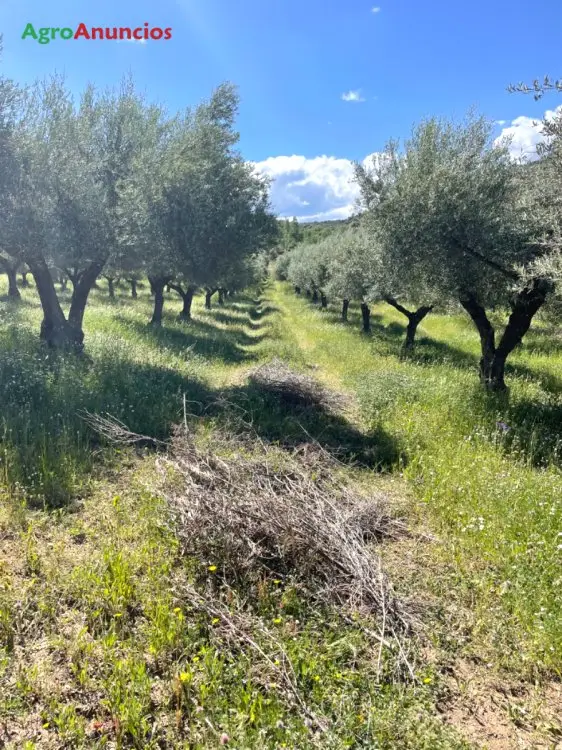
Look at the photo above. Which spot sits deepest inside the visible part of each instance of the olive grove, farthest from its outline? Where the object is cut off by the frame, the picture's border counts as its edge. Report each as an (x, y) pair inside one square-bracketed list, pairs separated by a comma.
[(112, 185), (448, 219)]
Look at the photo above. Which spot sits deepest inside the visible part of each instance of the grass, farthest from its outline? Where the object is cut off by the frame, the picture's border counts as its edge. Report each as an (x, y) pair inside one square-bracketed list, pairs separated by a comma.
[(493, 495), (100, 644)]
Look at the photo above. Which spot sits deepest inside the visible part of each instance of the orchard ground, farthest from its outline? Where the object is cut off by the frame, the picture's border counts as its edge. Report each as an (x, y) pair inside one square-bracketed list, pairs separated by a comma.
[(98, 646)]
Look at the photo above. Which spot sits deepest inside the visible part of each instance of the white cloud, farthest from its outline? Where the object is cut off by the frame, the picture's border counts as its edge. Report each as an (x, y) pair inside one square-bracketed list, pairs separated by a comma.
[(312, 189), (525, 133), (353, 96), (376, 9), (131, 41)]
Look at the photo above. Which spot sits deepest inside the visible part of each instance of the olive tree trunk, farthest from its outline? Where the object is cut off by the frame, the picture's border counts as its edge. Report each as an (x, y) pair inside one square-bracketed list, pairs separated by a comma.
[(111, 286), (525, 305), (57, 331), (366, 317), (157, 284), (187, 298), (344, 310), (133, 283), (323, 301), (24, 280), (208, 294), (414, 319), (10, 270)]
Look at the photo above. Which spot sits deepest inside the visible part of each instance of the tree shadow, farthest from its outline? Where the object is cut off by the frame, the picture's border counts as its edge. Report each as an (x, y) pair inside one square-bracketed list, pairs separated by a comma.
[(289, 420), (232, 346), (14, 304), (544, 341), (532, 429), (47, 448)]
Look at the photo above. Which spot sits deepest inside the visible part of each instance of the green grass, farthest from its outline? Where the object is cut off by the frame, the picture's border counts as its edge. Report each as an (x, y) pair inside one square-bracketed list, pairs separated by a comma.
[(99, 646), (494, 497)]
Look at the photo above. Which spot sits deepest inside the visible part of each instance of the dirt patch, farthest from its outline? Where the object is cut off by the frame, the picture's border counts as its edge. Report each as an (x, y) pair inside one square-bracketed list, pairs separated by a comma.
[(499, 714)]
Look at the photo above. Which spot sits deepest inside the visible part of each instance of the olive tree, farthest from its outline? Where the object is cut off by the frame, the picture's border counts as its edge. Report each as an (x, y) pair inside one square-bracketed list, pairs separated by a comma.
[(308, 269), (71, 165), (353, 269), (452, 222), (202, 209)]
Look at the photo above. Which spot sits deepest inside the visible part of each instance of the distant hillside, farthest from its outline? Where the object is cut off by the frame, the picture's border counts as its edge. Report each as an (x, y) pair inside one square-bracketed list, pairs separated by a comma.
[(292, 232), (315, 231)]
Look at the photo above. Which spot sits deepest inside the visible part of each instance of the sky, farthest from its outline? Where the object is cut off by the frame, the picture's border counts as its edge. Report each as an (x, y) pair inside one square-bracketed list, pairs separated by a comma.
[(321, 83)]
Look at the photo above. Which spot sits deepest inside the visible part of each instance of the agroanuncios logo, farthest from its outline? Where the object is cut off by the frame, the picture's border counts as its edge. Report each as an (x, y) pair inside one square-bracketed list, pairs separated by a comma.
[(122, 33)]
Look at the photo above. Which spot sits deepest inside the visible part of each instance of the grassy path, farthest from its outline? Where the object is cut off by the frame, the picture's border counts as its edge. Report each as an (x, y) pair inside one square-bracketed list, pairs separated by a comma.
[(98, 646), (492, 498)]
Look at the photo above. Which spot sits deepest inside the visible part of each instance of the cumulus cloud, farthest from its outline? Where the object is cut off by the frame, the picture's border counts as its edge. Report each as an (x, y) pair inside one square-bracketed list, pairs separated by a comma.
[(312, 189), (525, 134), (376, 9), (353, 96)]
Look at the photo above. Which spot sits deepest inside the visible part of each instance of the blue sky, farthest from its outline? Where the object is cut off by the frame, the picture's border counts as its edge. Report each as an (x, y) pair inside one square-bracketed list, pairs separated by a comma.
[(297, 61)]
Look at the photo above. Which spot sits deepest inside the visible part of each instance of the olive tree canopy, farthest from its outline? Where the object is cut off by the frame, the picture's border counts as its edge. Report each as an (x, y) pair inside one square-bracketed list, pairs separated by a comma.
[(448, 210)]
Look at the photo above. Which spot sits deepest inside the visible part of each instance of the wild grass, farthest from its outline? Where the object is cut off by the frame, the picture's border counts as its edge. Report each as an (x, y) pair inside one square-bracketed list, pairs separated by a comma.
[(485, 467), (137, 374), (108, 632)]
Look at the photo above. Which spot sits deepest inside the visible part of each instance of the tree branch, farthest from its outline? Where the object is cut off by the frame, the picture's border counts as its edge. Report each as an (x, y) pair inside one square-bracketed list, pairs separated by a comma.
[(394, 303), (507, 272)]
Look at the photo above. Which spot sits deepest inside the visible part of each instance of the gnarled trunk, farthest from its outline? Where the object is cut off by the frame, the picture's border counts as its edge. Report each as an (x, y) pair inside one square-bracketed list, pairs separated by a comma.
[(24, 280), (414, 319), (133, 283), (366, 317), (83, 285), (315, 296), (344, 309), (187, 298), (526, 304), (56, 331), (157, 284), (221, 296), (297, 289), (208, 294), (323, 301), (10, 271), (307, 292), (111, 286)]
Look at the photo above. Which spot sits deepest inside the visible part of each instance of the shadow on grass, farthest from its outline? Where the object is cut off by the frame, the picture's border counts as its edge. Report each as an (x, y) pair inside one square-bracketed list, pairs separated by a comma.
[(535, 426), (534, 431), (290, 422), (48, 451), (233, 346)]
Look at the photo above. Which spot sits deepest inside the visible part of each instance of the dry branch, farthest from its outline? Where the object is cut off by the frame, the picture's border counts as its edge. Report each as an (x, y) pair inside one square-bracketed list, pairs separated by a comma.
[(115, 431), (261, 512), (277, 377)]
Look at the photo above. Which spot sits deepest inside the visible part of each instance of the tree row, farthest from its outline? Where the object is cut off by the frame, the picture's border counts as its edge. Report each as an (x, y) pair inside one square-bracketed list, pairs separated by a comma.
[(448, 218), (112, 184)]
